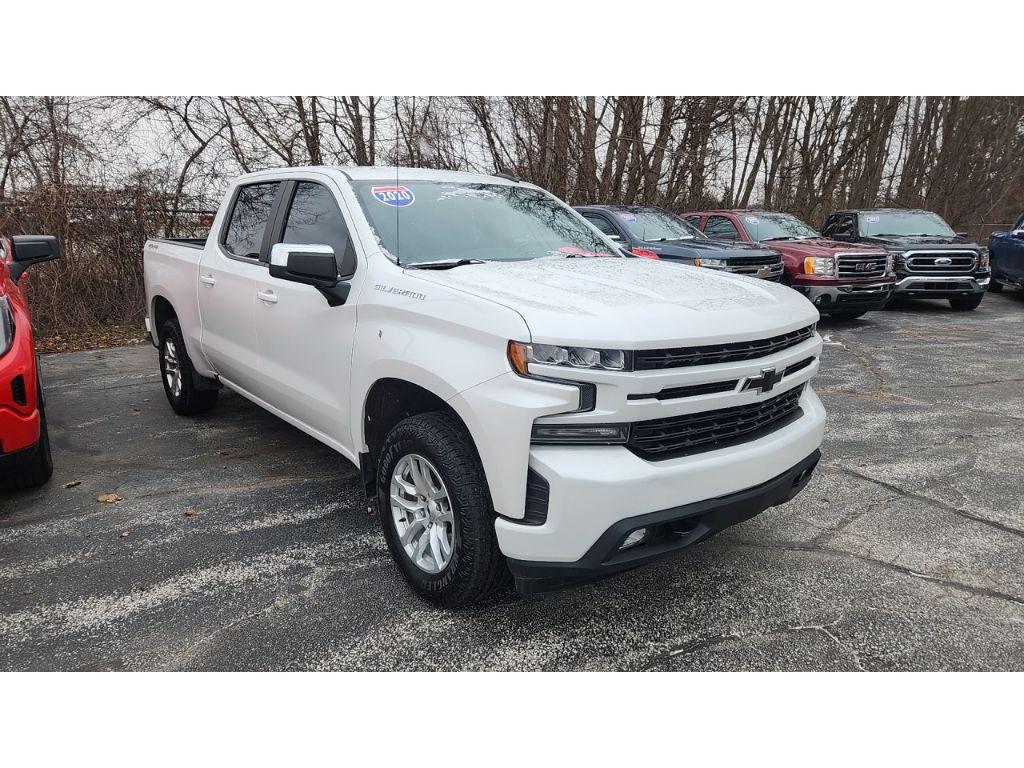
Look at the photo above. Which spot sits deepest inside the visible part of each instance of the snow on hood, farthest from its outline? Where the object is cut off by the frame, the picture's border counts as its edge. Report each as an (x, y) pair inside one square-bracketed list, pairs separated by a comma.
[(631, 303)]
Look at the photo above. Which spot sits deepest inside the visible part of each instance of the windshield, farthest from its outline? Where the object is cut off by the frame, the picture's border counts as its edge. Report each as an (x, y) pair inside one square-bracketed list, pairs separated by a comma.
[(428, 221), (776, 226), (650, 225), (903, 223)]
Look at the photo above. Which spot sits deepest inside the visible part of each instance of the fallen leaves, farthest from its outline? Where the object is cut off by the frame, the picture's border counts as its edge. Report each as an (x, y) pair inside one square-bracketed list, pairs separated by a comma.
[(109, 498), (191, 512), (72, 484), (89, 337), (125, 534)]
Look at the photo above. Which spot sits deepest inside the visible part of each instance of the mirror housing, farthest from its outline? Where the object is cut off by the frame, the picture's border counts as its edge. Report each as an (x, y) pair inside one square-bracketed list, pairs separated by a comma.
[(313, 265), (27, 250), (1019, 234)]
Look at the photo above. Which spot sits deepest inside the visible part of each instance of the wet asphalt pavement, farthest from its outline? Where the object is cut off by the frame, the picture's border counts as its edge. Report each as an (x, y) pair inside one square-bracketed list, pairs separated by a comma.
[(241, 543)]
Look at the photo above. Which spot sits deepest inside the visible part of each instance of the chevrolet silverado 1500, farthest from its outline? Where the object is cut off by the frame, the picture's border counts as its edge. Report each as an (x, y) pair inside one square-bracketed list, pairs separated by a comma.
[(518, 394)]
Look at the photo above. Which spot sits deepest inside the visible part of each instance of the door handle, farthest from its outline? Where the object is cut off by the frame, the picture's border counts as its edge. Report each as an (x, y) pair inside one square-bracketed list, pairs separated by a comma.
[(267, 297), (207, 279)]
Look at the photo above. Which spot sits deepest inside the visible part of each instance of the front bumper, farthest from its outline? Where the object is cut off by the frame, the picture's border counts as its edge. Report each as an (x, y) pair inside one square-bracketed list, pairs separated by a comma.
[(942, 287), (593, 488), (667, 532), (854, 296)]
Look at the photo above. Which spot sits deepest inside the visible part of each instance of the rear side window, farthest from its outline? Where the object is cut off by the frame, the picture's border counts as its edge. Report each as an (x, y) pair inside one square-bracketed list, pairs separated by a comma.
[(249, 218), (601, 223), (841, 225), (314, 219), (693, 221), (721, 228)]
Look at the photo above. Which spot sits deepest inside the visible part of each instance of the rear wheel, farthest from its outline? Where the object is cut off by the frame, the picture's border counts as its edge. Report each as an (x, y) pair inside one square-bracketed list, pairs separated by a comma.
[(39, 468), (178, 376), (435, 509), (966, 303)]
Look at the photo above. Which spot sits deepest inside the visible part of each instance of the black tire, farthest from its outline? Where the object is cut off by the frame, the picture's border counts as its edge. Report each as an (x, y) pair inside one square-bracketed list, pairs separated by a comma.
[(39, 468), (477, 567), (849, 314), (994, 285), (967, 303), (190, 400)]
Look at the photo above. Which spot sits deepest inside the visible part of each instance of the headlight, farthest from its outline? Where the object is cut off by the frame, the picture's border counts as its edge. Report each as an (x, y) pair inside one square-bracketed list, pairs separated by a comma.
[(520, 355), (890, 261), (983, 258), (818, 265), (712, 263), (6, 325)]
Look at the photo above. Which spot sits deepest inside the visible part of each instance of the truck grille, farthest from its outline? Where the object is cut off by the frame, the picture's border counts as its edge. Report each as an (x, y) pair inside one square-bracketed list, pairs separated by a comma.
[(768, 268), (709, 430), (854, 265), (940, 262), (682, 357)]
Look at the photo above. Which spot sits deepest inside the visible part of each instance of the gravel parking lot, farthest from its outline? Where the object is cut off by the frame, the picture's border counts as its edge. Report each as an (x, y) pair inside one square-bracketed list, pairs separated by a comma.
[(241, 543)]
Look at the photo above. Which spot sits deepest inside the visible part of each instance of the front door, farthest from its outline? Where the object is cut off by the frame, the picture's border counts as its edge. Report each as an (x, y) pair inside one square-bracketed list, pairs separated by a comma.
[(306, 345)]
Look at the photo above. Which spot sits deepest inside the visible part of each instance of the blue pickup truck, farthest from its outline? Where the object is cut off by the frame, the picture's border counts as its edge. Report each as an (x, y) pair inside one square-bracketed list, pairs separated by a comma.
[(1006, 250)]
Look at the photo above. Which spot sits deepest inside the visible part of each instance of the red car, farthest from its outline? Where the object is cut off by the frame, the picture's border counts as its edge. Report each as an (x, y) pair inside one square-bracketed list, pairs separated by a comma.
[(844, 280), (24, 444)]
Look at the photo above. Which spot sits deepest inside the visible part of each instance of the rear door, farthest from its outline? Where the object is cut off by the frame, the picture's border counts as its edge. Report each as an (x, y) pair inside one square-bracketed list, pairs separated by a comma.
[(228, 273), (306, 345)]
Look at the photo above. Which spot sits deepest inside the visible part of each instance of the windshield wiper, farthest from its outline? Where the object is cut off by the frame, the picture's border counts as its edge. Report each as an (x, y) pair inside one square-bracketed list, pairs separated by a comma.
[(783, 237), (443, 264)]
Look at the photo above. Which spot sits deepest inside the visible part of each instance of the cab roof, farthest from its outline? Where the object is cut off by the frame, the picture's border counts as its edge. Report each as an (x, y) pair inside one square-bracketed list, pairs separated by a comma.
[(392, 174)]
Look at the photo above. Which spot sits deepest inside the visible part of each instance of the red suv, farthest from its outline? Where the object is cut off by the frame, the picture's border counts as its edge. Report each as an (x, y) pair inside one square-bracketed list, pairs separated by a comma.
[(841, 279), (24, 444)]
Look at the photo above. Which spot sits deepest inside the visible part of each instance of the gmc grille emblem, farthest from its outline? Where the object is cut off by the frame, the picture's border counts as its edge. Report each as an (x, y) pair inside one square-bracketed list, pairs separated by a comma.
[(865, 266), (766, 381)]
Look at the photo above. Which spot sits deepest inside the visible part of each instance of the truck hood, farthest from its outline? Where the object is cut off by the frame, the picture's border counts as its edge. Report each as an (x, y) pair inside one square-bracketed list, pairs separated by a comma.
[(821, 246), (920, 243), (631, 303), (712, 249)]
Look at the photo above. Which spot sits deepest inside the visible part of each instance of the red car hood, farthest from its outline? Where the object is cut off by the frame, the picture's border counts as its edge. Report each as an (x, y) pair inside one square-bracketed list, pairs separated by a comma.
[(820, 246)]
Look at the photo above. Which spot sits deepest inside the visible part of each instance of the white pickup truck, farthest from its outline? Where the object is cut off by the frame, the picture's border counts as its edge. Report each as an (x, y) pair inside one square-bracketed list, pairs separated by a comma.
[(519, 395)]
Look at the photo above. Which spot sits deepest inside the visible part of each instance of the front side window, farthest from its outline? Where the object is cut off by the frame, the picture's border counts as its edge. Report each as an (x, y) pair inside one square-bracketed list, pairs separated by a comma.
[(776, 226), (903, 224), (601, 223), (652, 225), (249, 218), (427, 221), (314, 219), (722, 228)]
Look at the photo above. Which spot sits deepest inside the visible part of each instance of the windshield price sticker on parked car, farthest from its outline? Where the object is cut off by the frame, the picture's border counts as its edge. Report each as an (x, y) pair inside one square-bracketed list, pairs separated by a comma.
[(872, 219), (396, 197), (752, 220), (627, 216)]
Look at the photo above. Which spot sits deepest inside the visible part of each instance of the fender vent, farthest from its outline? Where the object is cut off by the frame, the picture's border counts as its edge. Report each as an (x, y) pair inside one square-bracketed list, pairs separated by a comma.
[(18, 390), (537, 493)]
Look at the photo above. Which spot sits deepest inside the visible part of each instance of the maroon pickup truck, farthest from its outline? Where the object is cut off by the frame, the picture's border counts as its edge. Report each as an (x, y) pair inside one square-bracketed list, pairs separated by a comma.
[(841, 279)]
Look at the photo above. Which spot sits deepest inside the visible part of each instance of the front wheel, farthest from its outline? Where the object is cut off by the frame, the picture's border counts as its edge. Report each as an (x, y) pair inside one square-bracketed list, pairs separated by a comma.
[(966, 303), (435, 509), (178, 376), (994, 285)]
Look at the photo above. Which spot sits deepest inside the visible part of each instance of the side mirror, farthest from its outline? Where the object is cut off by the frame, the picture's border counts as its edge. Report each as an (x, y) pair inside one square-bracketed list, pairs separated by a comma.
[(27, 250), (1019, 234), (961, 234), (313, 265)]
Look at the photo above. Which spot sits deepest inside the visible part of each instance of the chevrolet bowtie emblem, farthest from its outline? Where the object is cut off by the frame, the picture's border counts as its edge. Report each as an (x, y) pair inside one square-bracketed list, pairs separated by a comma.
[(766, 381)]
